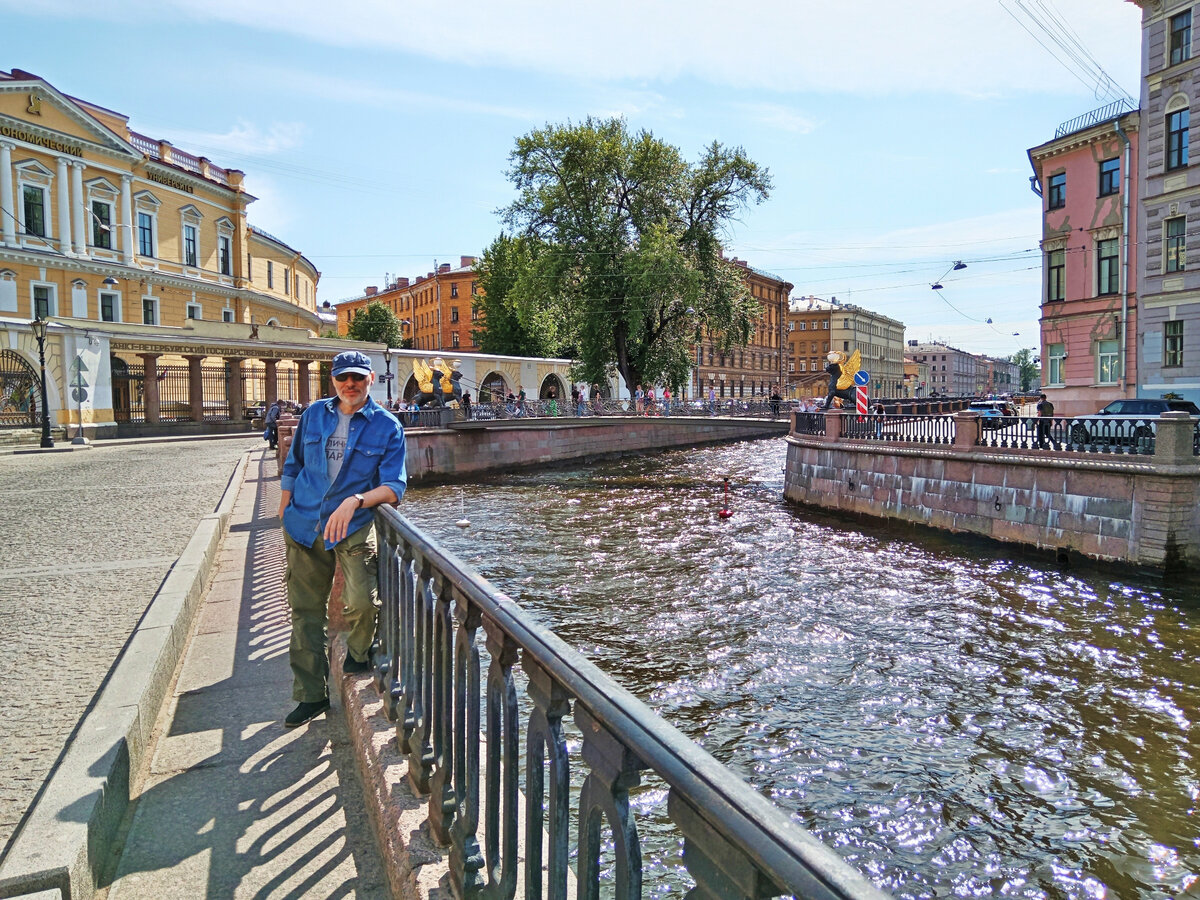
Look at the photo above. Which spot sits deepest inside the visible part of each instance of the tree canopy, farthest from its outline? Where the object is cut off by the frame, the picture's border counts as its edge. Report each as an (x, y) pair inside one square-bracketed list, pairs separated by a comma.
[(507, 273), (616, 249), (1027, 366), (376, 323)]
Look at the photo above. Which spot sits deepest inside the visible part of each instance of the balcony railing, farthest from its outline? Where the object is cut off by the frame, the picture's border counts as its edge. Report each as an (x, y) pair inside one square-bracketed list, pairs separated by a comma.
[(1095, 117), (461, 730)]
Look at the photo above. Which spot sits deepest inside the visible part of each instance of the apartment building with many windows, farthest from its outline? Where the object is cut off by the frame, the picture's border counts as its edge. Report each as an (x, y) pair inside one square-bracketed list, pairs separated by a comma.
[(952, 372), (436, 310), (807, 342), (1086, 177), (1169, 291), (758, 369)]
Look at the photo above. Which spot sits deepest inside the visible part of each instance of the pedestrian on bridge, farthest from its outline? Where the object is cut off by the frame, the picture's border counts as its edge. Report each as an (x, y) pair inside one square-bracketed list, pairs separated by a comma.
[(347, 456)]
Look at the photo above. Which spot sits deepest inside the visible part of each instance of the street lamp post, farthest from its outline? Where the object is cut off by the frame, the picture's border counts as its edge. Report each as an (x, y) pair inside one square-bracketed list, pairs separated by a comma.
[(38, 327)]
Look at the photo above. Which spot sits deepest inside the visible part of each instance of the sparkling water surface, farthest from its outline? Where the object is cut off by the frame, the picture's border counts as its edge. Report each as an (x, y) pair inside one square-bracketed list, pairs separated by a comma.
[(956, 718)]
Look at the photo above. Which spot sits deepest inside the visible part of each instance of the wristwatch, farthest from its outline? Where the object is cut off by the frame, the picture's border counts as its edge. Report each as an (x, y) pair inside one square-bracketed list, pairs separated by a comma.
[(362, 501)]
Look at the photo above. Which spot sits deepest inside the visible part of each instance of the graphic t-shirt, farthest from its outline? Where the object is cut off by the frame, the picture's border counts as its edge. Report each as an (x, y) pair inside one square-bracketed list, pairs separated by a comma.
[(335, 447)]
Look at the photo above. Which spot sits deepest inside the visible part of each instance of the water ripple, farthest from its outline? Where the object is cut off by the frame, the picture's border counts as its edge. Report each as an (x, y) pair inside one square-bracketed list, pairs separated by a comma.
[(953, 721)]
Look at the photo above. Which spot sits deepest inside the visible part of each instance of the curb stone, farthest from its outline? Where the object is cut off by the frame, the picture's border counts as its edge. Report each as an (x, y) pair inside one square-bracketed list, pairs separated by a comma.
[(67, 836)]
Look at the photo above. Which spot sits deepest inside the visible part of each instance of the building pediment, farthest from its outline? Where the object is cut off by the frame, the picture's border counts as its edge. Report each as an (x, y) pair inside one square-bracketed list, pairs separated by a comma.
[(35, 113)]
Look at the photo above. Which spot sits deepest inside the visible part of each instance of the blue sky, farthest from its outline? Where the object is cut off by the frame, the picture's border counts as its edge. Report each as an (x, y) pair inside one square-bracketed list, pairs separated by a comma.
[(376, 134)]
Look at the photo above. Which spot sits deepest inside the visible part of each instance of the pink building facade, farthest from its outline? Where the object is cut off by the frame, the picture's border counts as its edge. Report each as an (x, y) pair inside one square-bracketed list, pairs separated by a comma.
[(1087, 179)]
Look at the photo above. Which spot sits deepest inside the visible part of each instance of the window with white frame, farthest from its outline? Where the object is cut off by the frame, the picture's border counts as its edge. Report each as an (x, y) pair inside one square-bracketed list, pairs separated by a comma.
[(101, 205), (1108, 266), (1173, 343), (1108, 362), (33, 197), (1175, 243), (33, 201), (195, 311), (43, 300), (149, 310), (225, 245), (145, 224), (110, 306), (190, 248), (1180, 44), (190, 218), (1056, 281), (1056, 355), (227, 315), (146, 220), (102, 224)]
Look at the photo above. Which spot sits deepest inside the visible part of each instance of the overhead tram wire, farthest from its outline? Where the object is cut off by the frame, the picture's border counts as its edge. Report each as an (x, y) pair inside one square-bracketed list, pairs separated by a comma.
[(1079, 61)]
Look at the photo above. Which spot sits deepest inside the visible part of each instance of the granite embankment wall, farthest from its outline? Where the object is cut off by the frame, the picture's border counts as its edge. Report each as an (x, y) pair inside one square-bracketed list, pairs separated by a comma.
[(1142, 510), (470, 448)]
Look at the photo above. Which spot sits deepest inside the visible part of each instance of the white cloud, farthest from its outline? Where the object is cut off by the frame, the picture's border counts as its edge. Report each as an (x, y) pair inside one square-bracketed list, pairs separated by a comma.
[(243, 138), (318, 84), (973, 49), (779, 117)]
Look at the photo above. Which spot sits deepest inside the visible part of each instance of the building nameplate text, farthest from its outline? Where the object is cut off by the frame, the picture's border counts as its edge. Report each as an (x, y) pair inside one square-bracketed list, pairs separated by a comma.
[(20, 134), (177, 183), (231, 352)]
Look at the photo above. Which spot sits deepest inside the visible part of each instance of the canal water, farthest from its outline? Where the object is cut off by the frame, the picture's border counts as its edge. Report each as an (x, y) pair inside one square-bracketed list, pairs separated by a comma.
[(956, 719)]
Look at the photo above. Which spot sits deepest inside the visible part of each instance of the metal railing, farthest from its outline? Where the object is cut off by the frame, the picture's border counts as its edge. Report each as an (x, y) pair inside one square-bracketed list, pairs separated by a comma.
[(460, 729), (908, 429), (1124, 436), (763, 409), (1111, 111)]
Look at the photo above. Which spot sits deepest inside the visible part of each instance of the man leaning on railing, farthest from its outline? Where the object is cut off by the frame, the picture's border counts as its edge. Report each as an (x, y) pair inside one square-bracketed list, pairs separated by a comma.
[(347, 456)]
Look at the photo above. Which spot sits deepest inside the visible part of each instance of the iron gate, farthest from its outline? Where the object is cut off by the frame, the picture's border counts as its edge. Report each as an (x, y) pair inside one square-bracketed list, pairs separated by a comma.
[(19, 391)]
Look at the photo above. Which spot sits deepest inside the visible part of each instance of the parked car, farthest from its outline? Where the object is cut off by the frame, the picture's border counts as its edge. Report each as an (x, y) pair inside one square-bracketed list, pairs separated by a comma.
[(991, 412), (1126, 421)]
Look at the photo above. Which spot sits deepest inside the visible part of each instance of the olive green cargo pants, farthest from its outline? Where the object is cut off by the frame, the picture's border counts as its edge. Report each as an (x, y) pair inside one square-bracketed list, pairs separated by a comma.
[(309, 581)]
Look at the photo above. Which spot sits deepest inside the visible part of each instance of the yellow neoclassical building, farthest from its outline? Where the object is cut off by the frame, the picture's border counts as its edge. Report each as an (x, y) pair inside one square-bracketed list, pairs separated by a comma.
[(163, 303)]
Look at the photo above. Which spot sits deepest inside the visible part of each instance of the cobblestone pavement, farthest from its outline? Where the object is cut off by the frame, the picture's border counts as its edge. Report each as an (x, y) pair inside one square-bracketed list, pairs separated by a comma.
[(91, 536)]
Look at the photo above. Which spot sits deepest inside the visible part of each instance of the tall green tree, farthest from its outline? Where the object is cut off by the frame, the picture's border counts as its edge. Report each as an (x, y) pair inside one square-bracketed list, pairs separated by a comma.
[(519, 319), (630, 236), (376, 323), (1027, 367)]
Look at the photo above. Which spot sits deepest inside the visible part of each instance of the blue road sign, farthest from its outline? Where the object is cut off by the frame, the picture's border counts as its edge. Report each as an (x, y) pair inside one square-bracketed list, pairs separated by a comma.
[(862, 377)]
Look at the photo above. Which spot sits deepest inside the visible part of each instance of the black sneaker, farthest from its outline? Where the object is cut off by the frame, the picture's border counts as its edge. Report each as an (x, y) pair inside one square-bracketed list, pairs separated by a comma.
[(351, 666), (306, 711)]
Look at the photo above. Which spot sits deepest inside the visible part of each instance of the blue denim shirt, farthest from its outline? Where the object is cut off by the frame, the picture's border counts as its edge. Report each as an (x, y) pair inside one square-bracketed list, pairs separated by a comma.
[(374, 457)]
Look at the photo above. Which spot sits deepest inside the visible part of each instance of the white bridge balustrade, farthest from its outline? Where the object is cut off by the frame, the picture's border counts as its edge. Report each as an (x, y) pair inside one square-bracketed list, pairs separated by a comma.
[(435, 614)]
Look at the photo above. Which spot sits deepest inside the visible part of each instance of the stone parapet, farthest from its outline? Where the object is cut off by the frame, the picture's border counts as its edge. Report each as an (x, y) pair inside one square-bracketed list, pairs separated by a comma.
[(1143, 510)]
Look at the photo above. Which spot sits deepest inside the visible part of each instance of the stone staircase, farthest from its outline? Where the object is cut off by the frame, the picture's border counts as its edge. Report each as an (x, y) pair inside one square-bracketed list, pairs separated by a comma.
[(29, 438)]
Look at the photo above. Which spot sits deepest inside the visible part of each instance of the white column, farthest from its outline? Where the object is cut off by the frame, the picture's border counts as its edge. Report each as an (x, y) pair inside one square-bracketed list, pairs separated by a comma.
[(79, 205), (8, 212), (63, 185), (126, 234)]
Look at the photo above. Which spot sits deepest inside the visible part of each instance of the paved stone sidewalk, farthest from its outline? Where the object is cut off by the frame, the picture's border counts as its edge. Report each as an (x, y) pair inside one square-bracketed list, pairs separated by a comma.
[(234, 804), (90, 537)]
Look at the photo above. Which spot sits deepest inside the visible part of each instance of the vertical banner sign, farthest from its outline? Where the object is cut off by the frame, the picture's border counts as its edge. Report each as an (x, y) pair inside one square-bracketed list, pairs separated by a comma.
[(861, 378)]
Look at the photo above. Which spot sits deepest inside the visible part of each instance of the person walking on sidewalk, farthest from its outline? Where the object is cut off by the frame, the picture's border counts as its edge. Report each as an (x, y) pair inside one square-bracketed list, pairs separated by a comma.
[(347, 456)]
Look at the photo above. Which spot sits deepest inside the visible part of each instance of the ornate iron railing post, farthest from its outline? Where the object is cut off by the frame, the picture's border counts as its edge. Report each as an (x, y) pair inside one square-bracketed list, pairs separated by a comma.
[(605, 793), (546, 744), (420, 741), (720, 870), (406, 721), (442, 802), (500, 829), (388, 628), (466, 859)]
